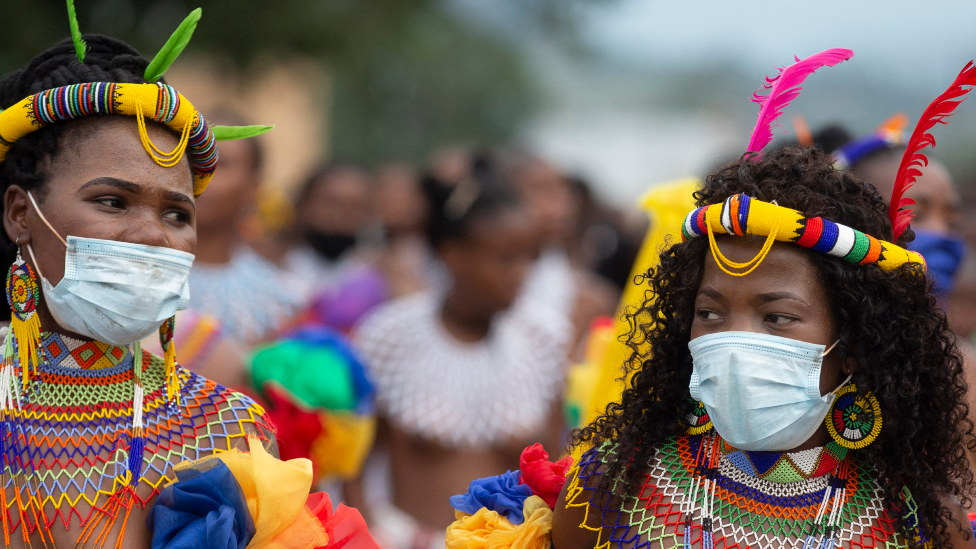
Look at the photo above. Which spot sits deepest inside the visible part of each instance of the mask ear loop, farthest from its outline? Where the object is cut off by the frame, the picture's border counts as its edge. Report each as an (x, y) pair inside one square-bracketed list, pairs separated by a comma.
[(831, 348), (46, 222), (722, 261)]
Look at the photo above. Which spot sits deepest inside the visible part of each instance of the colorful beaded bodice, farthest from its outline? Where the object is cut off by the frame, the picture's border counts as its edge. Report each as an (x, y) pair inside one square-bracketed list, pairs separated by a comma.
[(700, 492), (66, 445)]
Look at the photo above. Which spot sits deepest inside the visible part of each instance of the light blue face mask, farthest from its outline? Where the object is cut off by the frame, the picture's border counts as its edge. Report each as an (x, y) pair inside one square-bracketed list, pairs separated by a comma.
[(762, 392), (115, 292)]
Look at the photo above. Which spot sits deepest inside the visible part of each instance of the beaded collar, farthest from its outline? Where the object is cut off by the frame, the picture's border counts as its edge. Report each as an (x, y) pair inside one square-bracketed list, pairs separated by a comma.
[(699, 492), (67, 352)]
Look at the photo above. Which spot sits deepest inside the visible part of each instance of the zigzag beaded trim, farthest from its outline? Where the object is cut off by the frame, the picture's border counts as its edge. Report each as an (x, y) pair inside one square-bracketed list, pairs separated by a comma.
[(742, 215)]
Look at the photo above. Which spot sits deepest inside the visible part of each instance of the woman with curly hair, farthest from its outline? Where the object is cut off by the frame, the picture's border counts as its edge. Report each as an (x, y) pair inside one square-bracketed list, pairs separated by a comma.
[(755, 363)]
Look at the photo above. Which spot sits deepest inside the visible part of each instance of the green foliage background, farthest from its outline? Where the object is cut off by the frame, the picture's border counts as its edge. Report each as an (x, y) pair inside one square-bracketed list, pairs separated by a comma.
[(409, 75)]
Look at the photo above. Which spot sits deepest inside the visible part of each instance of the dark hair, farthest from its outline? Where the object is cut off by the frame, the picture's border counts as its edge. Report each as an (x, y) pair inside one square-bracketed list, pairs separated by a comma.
[(456, 206), (321, 174), (106, 60), (888, 322)]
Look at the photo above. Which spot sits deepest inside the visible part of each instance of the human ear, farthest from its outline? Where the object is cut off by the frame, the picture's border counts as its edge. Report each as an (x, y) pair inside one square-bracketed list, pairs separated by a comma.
[(15, 206)]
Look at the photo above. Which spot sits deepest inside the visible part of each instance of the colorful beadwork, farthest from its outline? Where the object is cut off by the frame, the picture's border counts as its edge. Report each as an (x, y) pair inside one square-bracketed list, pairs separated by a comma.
[(22, 295), (741, 215), (157, 101), (698, 420), (854, 421), (67, 449), (699, 492)]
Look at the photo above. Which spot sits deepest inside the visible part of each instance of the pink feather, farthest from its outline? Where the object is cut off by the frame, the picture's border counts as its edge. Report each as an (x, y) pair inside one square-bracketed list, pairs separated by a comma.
[(911, 163), (785, 87)]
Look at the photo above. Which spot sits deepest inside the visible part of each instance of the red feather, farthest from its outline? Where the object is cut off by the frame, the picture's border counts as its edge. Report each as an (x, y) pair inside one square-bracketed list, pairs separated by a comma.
[(785, 87), (936, 113)]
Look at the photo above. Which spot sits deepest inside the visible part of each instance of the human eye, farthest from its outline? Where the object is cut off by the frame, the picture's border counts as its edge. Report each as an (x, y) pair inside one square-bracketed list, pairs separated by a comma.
[(113, 202), (177, 216), (706, 314), (780, 319)]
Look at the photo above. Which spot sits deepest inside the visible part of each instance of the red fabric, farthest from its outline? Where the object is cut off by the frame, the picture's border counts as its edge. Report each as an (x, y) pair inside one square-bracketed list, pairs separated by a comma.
[(545, 478), (345, 527), (297, 428)]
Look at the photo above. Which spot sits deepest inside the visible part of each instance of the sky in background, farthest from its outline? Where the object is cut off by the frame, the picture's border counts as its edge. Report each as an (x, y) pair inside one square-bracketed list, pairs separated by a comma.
[(623, 121)]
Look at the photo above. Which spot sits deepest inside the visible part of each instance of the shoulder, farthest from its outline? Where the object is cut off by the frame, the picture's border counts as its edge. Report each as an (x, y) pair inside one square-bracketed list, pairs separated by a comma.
[(578, 516), (215, 417)]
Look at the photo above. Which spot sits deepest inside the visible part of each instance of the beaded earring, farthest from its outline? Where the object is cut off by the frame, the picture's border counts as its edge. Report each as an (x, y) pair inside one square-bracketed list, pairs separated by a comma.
[(25, 323), (854, 421), (698, 420), (166, 330)]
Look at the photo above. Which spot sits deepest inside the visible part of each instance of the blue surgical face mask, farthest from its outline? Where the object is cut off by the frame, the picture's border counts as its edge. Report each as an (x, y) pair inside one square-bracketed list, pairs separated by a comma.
[(943, 255), (115, 292), (762, 392)]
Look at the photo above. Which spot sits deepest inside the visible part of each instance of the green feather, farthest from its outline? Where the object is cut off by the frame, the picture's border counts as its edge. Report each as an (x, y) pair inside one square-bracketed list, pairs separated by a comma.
[(230, 133), (80, 45), (173, 47)]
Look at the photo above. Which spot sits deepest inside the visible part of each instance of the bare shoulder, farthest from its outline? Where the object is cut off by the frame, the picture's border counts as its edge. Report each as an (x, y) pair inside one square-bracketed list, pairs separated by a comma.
[(962, 533), (222, 419), (573, 527)]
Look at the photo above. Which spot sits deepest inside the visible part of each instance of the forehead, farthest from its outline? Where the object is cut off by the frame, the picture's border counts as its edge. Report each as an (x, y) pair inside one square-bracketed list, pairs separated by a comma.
[(111, 146), (786, 267)]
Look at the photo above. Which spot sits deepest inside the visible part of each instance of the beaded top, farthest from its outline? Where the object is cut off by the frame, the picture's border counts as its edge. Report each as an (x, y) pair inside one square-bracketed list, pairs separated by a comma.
[(66, 447), (822, 496)]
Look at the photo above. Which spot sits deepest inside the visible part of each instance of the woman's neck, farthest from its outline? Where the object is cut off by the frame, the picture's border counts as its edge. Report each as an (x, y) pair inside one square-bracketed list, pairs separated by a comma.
[(463, 321)]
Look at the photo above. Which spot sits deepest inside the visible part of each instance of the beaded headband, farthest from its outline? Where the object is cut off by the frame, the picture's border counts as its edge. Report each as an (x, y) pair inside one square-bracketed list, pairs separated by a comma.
[(157, 101), (741, 215)]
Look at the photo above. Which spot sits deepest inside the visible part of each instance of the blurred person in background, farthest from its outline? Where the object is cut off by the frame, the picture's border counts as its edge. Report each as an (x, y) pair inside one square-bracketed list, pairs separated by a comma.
[(555, 281), (465, 374), (402, 209), (230, 281), (333, 255)]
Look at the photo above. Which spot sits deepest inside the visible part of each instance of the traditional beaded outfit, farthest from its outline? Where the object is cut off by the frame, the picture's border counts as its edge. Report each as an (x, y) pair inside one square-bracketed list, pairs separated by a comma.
[(464, 395), (700, 492), (251, 296), (67, 449)]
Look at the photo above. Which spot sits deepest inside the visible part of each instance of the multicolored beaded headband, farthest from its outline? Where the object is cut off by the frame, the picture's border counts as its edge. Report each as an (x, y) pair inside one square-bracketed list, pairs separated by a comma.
[(742, 215), (157, 101)]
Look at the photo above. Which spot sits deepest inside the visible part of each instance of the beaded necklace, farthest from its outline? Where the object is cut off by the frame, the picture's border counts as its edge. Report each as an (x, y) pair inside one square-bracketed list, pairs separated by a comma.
[(95, 433), (700, 492)]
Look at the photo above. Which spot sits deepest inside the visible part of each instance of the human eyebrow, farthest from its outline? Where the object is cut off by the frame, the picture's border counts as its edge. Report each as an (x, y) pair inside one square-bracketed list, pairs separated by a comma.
[(708, 291), (776, 296), (180, 197), (122, 184)]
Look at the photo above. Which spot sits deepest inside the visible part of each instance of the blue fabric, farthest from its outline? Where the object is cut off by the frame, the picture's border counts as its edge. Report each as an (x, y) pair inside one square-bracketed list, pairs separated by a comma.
[(943, 255), (502, 494), (204, 509)]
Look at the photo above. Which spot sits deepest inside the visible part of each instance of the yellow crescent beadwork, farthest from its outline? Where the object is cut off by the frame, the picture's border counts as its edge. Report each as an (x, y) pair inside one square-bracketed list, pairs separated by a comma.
[(158, 102), (741, 215)]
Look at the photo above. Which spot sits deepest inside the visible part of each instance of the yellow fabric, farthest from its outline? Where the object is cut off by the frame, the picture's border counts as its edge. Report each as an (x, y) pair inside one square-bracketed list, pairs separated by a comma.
[(18, 120), (666, 207), (276, 492), (489, 530), (348, 439), (583, 377)]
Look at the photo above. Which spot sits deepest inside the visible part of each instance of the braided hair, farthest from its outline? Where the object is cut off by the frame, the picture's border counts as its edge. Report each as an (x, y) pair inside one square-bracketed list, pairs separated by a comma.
[(107, 60)]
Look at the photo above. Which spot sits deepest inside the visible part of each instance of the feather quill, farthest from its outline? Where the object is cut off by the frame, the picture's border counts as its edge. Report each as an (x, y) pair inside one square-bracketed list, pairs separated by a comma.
[(80, 46), (785, 87), (230, 133), (173, 47), (911, 163)]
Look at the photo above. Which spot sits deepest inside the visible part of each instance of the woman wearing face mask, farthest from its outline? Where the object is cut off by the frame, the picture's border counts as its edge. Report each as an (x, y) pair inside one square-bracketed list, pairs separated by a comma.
[(800, 388), (100, 164)]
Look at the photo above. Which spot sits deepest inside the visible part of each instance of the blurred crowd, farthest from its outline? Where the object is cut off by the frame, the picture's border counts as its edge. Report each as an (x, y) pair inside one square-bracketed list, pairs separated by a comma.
[(410, 327)]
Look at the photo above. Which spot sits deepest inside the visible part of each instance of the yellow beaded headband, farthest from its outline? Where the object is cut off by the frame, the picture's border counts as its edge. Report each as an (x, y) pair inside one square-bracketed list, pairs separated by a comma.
[(742, 215), (157, 101)]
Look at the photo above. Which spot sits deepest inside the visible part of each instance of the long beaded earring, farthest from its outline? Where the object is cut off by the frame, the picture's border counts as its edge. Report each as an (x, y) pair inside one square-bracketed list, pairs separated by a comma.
[(166, 330), (25, 323), (854, 421), (698, 420)]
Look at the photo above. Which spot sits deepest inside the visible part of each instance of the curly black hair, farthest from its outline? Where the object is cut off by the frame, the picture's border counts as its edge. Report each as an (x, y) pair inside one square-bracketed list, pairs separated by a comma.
[(106, 60), (888, 321)]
